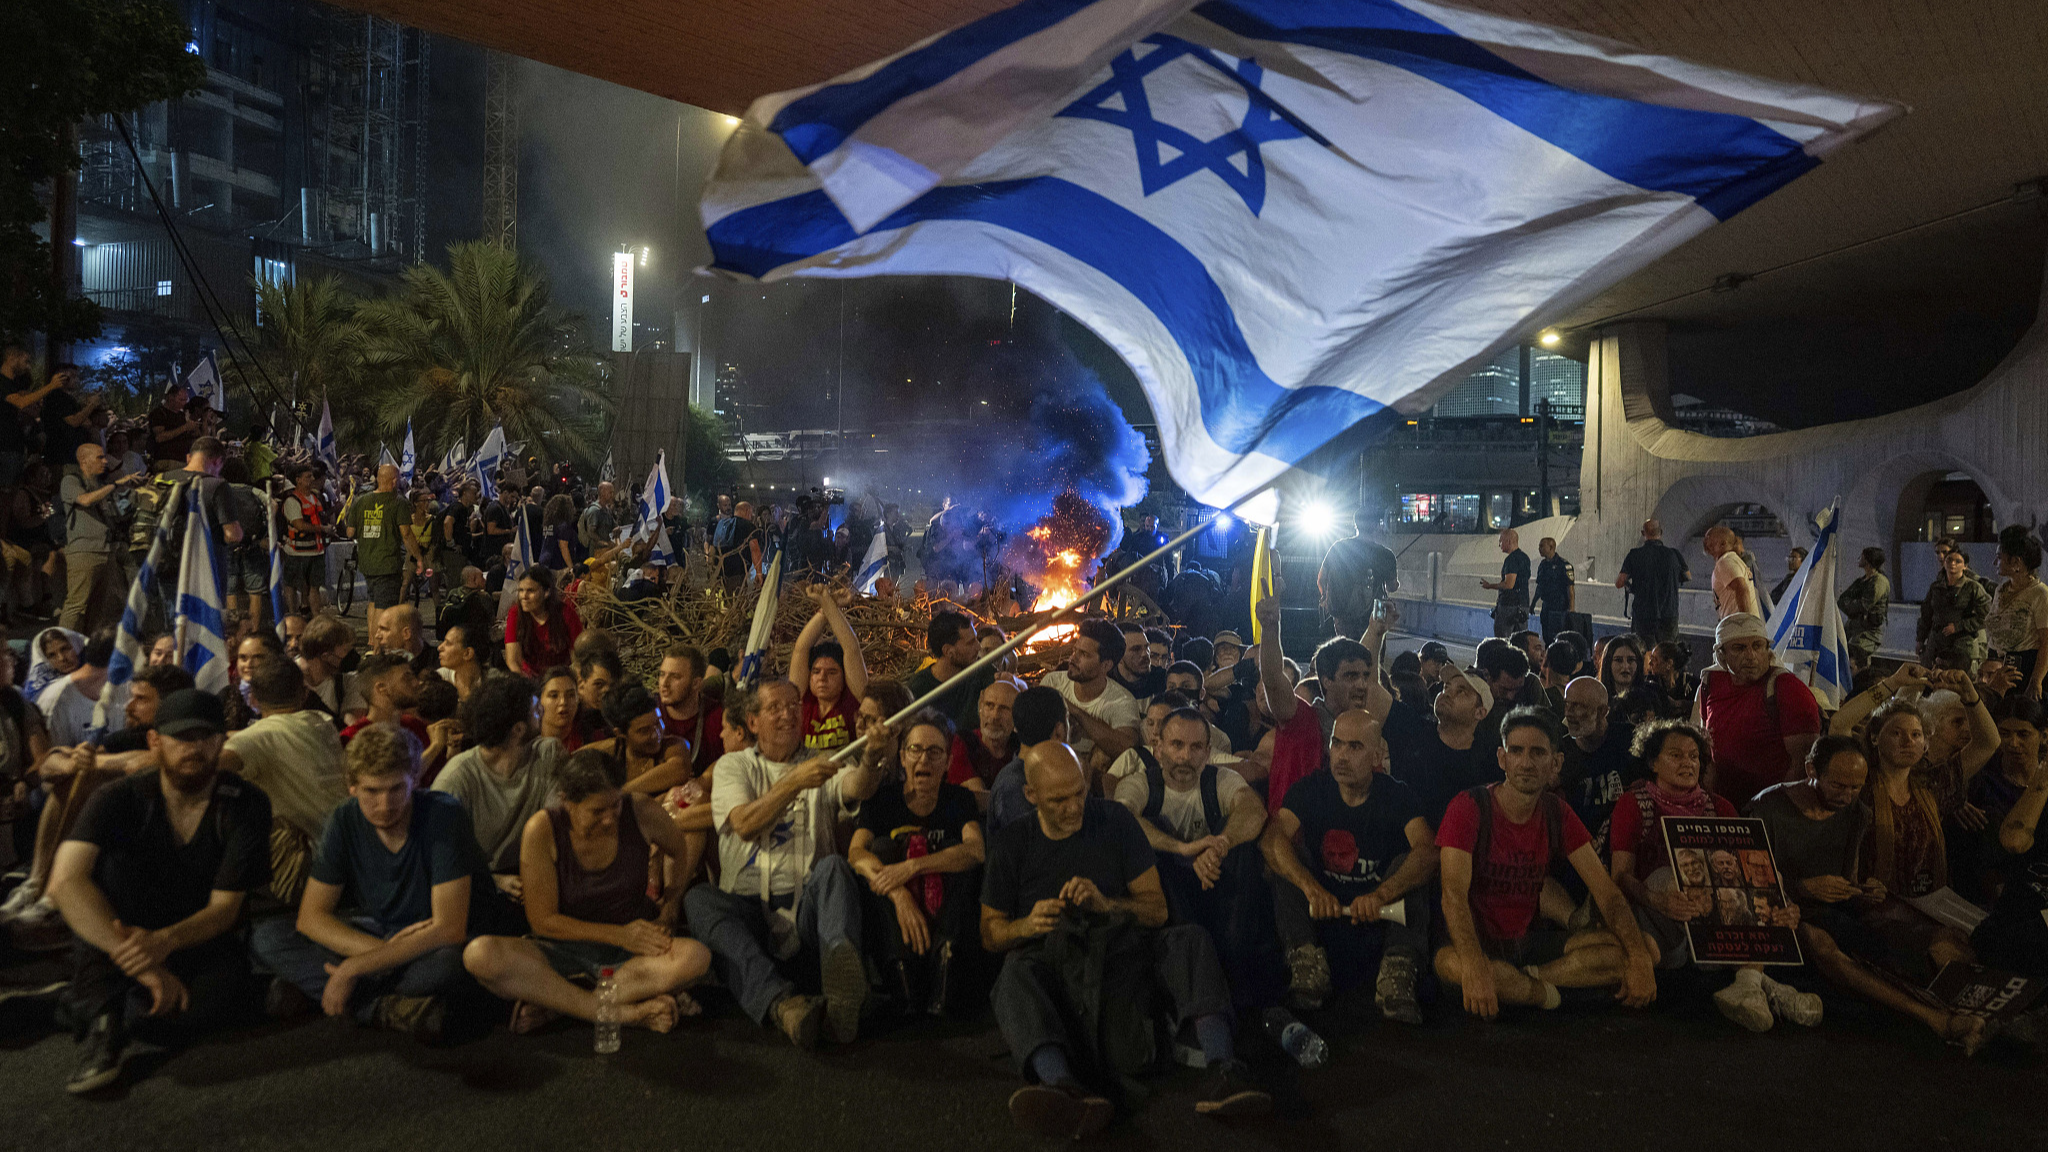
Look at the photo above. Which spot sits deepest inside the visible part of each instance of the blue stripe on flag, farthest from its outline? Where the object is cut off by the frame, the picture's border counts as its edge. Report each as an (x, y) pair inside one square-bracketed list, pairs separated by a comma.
[(820, 122), (1242, 407), (1723, 161)]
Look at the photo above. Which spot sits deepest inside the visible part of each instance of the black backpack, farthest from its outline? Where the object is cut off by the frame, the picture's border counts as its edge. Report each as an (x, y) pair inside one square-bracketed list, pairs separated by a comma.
[(1155, 794)]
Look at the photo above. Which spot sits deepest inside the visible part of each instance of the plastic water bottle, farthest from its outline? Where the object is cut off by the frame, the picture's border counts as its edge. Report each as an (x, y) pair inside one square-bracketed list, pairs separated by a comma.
[(1296, 1039), (608, 1013)]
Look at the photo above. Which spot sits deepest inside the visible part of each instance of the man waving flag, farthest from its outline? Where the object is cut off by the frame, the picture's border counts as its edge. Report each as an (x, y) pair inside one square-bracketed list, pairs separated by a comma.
[(1285, 215)]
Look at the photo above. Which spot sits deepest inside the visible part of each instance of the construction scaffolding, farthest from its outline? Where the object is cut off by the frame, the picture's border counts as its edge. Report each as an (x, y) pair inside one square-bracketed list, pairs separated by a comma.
[(501, 150), (368, 141)]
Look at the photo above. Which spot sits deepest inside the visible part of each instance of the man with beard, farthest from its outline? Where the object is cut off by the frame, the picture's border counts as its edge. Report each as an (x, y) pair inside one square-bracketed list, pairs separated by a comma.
[(954, 644), (1136, 671), (1596, 765), (1103, 714), (390, 687), (152, 881), (685, 712), (978, 755), (1345, 671), (1441, 755)]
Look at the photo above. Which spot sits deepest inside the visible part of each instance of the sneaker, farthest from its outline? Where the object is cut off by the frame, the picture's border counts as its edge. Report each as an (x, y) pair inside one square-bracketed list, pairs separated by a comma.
[(1746, 1005), (40, 928), (99, 1057), (799, 1017), (1229, 1092), (942, 979), (24, 896), (284, 1000), (1789, 1003), (1394, 992), (1062, 1111), (424, 1018), (1308, 978), (846, 989)]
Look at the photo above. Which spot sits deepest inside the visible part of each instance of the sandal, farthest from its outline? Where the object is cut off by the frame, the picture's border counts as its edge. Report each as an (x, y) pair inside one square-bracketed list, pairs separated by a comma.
[(530, 1017)]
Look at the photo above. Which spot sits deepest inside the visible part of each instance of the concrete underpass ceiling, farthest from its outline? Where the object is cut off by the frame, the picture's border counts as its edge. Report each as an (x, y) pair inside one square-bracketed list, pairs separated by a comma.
[(1973, 71)]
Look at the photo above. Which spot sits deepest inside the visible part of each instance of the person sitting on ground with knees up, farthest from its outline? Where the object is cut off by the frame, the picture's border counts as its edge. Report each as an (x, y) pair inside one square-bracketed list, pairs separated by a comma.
[(1080, 868), (978, 755), (583, 867), (1040, 714), (1819, 828), (653, 762), (1347, 847), (505, 775), (393, 893), (782, 886), (1496, 845), (295, 756), (1203, 822), (152, 880), (1675, 752), (920, 850)]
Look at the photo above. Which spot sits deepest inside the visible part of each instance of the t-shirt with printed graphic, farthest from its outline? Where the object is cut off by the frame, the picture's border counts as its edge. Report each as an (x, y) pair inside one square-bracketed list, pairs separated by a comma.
[(1351, 848), (828, 733), (1508, 883), (377, 518), (900, 833)]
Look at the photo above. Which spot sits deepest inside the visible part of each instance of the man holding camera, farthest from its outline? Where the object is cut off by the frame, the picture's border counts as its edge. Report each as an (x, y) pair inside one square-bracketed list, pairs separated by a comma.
[(95, 545)]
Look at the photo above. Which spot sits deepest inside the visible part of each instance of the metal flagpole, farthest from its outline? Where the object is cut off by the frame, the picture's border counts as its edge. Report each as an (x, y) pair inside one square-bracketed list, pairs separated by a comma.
[(1070, 611)]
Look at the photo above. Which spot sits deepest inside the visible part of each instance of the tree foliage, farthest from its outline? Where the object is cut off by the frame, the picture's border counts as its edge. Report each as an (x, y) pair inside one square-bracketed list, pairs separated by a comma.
[(68, 60)]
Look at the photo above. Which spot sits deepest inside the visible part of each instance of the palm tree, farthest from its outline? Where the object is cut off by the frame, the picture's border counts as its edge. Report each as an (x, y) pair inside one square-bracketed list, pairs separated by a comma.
[(311, 344), (479, 345)]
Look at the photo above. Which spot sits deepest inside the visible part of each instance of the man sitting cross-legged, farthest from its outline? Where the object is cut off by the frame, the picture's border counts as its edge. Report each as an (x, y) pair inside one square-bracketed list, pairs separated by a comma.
[(1078, 875), (1494, 860), (394, 889), (152, 880), (1350, 843), (1203, 823), (583, 867), (782, 886)]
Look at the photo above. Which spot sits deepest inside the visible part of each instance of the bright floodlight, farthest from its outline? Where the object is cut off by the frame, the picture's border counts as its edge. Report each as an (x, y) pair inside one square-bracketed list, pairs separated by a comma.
[(1319, 519), (732, 121), (1549, 338)]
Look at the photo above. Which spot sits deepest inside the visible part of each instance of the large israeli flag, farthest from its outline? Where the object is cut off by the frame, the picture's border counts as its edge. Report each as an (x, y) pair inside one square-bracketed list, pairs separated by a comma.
[(1806, 629), (872, 565), (1285, 215), (201, 626)]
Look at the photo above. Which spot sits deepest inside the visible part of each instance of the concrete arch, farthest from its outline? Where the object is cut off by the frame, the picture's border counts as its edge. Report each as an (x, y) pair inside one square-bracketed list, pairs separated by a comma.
[(1692, 504)]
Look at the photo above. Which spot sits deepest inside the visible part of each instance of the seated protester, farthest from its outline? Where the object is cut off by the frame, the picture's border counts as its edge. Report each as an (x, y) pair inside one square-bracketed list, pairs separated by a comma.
[(1136, 671), (1505, 669), (294, 755), (542, 627), (919, 849), (688, 710), (325, 647), (1203, 821), (1440, 756), (1184, 677), (2015, 935), (67, 701), (1642, 869), (596, 673), (1350, 843), (1102, 714), (1493, 860), (400, 630), (781, 885), (1041, 716), (559, 707), (506, 774), (393, 893), (1061, 873), (391, 689), (1633, 697), (653, 761), (1958, 738), (954, 644), (53, 654), (1597, 763), (883, 699), (1760, 718), (1997, 790), (438, 704), (1436, 663), (73, 775), (1144, 754), (583, 861), (1345, 672), (833, 681), (460, 664), (152, 881), (238, 698), (977, 756), (1560, 666), (1906, 848), (1817, 828)]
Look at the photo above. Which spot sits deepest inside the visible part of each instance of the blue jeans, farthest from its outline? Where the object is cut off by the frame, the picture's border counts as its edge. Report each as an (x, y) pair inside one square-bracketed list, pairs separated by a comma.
[(282, 948), (735, 927)]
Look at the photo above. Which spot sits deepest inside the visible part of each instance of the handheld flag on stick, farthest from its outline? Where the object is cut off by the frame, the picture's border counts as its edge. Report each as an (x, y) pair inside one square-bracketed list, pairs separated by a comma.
[(483, 468), (205, 384), (407, 459), (129, 653), (201, 625), (873, 564), (1806, 630), (759, 636), (524, 556), (324, 439), (604, 475)]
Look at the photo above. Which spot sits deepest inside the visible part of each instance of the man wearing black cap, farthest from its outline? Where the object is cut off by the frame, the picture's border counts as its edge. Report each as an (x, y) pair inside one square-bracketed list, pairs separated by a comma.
[(152, 880)]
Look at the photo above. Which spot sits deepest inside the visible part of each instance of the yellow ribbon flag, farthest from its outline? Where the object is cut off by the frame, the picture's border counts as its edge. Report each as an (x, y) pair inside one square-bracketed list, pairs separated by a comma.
[(1262, 577)]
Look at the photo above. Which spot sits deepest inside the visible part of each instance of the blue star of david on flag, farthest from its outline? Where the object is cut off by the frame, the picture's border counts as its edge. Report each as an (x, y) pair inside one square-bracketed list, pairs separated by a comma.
[(1166, 154)]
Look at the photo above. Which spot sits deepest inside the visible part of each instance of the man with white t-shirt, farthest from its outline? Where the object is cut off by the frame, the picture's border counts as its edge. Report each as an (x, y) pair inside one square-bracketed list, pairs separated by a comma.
[(67, 703), (1104, 716), (1203, 820), (1734, 588)]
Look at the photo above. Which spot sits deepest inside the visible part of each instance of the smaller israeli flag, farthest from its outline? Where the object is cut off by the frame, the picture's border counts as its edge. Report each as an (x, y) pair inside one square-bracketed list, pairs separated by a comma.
[(277, 606), (524, 556), (648, 524), (407, 459), (323, 439), (384, 456), (1807, 635), (483, 467), (452, 462), (605, 475), (204, 383), (873, 565), (129, 653), (759, 636), (201, 625)]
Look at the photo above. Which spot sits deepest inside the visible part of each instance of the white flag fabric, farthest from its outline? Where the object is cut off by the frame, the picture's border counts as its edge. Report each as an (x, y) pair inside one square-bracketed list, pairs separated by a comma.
[(605, 474), (452, 462), (323, 439), (201, 626), (204, 383), (129, 651), (524, 556), (483, 467), (384, 456), (277, 598), (872, 565), (1807, 634), (1285, 215), (647, 523), (761, 634), (408, 459)]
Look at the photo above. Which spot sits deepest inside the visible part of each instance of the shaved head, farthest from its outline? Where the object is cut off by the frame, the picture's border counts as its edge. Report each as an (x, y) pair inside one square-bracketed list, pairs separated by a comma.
[(1049, 764), (1652, 530), (1585, 711), (1586, 690), (1056, 787), (387, 477)]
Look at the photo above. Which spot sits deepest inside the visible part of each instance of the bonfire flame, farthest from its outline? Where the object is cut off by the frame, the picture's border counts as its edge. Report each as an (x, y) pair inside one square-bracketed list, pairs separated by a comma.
[(1058, 556)]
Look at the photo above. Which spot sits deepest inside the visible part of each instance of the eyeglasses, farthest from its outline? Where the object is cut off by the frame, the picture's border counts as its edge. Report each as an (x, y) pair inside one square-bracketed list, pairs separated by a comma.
[(924, 751)]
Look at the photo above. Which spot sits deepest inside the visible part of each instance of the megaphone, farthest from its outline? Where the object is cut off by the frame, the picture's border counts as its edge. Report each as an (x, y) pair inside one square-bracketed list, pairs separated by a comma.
[(1396, 913)]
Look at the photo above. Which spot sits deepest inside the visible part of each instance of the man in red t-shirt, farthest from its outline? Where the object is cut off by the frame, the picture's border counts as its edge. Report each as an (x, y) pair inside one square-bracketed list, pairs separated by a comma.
[(834, 675), (1491, 893), (980, 754), (1761, 718), (1345, 671), (391, 687), (685, 714)]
